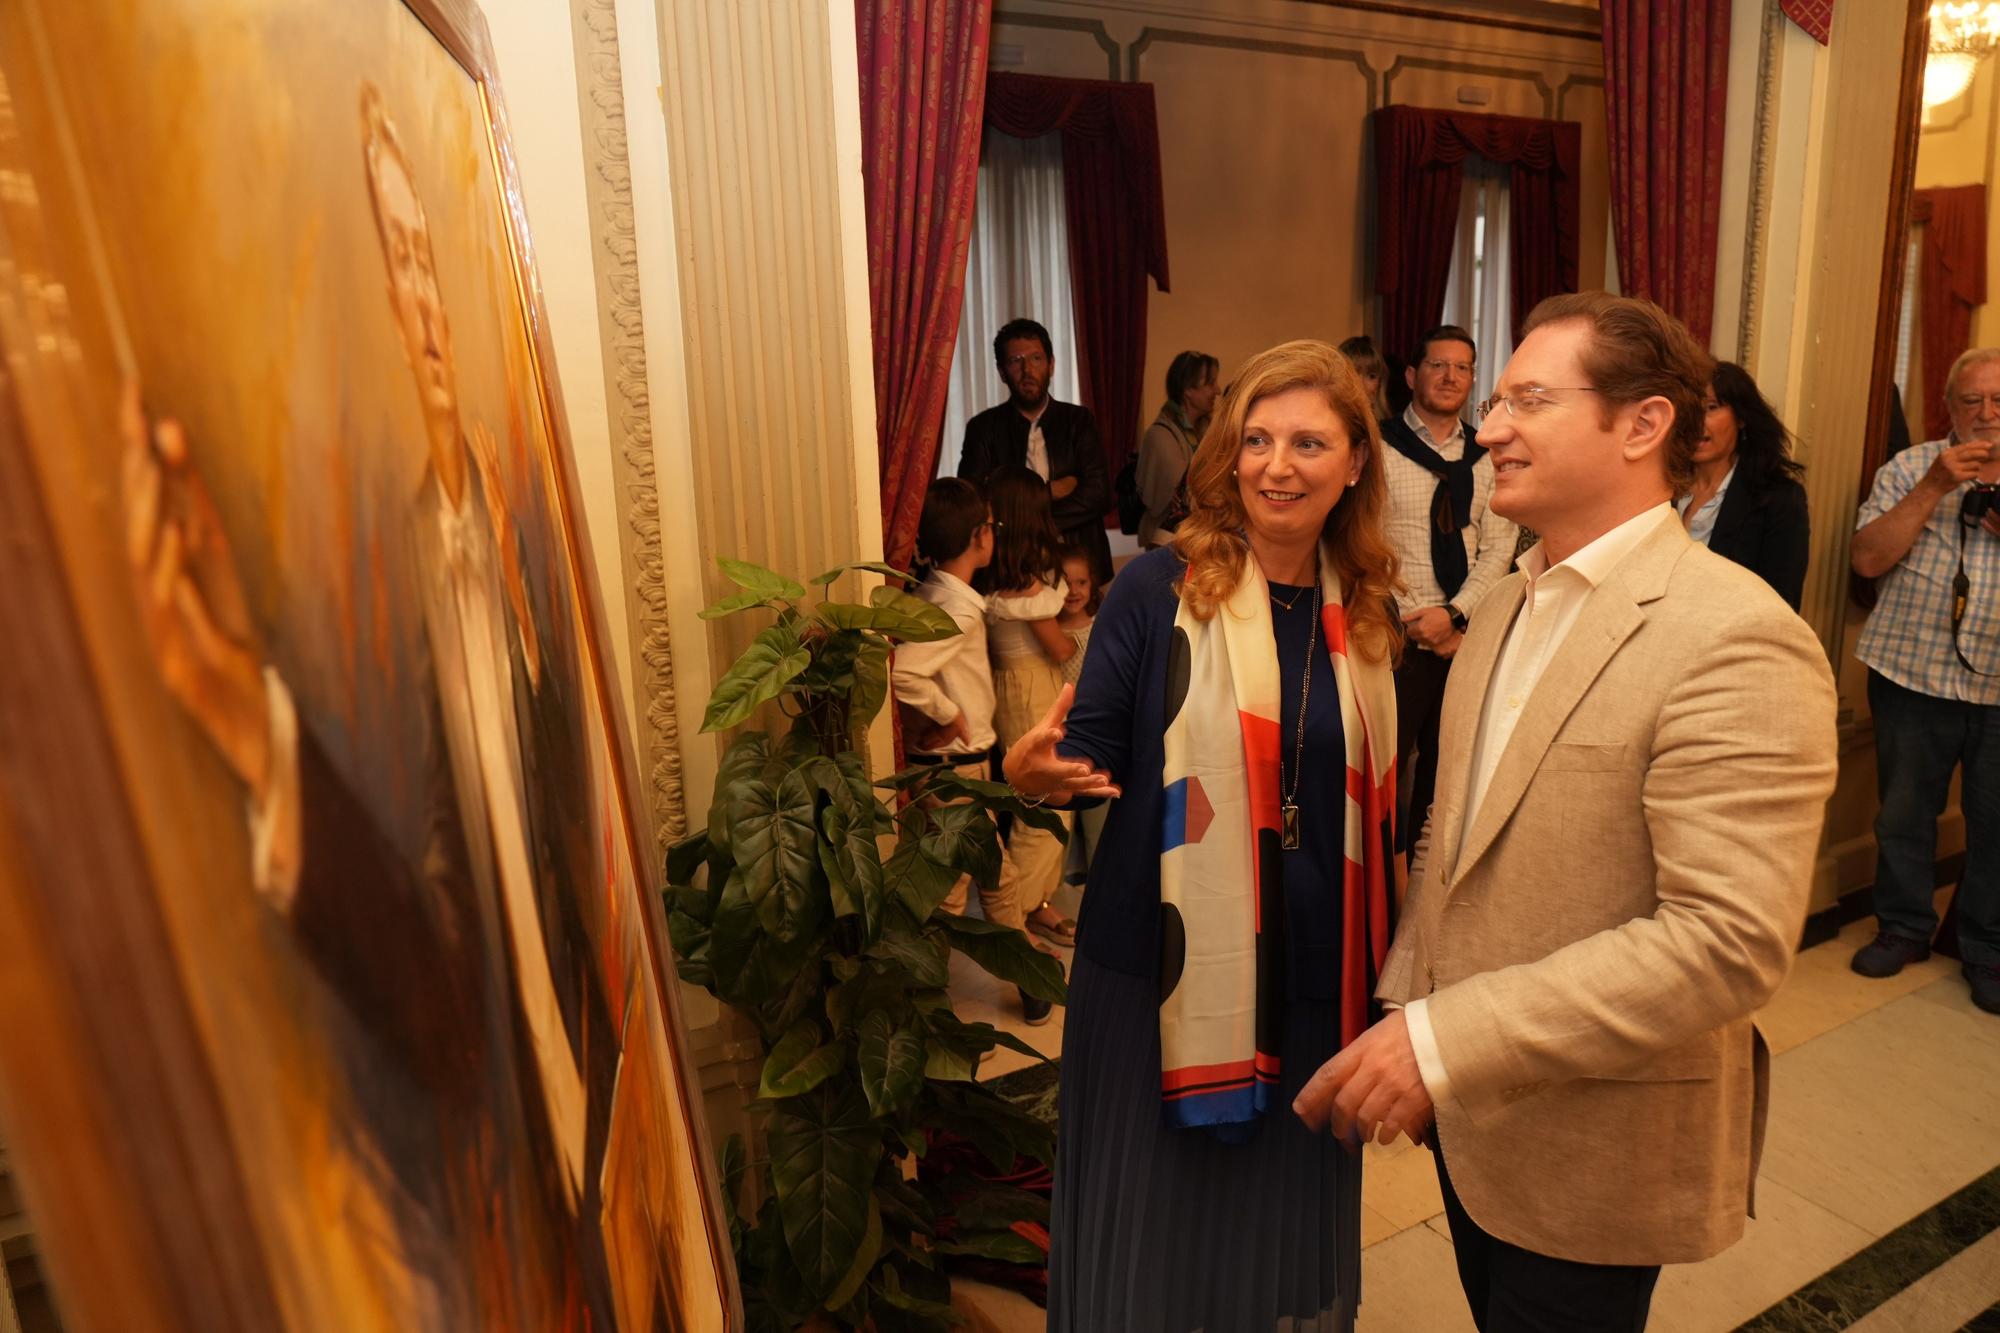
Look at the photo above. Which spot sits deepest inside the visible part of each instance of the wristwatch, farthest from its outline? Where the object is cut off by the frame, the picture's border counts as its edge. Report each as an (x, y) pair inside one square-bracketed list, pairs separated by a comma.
[(1457, 617)]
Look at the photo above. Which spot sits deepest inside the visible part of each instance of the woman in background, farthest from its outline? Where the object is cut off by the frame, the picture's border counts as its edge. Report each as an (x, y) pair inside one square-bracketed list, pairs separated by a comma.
[(1360, 349), (1747, 502), (1169, 443)]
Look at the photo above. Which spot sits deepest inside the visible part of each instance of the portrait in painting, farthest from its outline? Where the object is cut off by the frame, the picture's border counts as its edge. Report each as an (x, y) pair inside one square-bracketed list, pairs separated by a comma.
[(280, 391)]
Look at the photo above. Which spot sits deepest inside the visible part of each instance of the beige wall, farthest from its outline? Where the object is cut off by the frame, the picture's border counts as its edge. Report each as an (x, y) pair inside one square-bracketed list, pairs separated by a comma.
[(1958, 146), (1263, 108)]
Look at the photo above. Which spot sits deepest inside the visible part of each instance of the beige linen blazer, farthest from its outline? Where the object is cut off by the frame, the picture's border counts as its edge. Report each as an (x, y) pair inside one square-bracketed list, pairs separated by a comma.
[(1631, 890)]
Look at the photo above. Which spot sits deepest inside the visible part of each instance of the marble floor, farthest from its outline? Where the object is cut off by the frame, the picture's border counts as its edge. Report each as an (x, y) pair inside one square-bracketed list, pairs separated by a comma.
[(1886, 1105)]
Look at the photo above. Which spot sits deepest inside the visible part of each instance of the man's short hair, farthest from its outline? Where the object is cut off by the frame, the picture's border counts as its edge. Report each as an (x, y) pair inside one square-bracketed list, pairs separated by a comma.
[(1443, 333), (1638, 351), (1966, 361), (953, 511), (1020, 328)]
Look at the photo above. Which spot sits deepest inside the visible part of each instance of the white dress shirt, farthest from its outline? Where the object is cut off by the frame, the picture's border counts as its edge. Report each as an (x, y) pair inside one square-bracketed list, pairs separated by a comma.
[(1702, 526), (1010, 621), (1554, 598), (948, 677), (1038, 448)]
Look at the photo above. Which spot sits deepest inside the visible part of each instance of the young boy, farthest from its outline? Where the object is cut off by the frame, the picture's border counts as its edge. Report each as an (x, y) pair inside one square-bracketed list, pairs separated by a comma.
[(945, 688)]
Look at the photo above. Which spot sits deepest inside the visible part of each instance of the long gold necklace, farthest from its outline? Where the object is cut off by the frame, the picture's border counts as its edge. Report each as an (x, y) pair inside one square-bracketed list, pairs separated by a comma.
[(1288, 809)]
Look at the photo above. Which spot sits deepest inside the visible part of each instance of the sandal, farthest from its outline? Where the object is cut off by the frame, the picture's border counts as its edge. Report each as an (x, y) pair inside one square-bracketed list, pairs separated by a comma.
[(1060, 931)]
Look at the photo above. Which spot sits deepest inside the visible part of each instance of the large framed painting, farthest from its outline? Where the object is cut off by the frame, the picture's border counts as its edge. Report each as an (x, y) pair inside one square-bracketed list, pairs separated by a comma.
[(334, 987)]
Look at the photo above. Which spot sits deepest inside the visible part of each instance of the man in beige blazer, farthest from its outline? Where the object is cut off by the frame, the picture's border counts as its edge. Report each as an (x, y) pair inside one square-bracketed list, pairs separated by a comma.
[(1638, 742)]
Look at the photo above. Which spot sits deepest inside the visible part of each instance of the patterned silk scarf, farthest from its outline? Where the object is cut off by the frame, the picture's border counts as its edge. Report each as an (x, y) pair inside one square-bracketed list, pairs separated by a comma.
[(1222, 1008)]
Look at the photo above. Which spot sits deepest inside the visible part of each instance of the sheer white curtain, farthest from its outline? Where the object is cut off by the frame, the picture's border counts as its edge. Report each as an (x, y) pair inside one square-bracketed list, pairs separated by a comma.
[(1475, 295), (1017, 266)]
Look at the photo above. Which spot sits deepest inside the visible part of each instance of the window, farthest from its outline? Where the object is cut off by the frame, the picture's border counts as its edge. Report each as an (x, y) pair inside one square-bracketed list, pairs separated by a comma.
[(1475, 295), (1016, 266), (1906, 322)]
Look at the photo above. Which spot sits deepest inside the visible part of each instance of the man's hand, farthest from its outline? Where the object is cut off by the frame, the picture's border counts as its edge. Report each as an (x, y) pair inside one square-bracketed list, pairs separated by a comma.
[(937, 738), (191, 598), (1429, 627), (1991, 522), (1062, 487), (1448, 646), (1033, 767), (1958, 464), (1373, 1087)]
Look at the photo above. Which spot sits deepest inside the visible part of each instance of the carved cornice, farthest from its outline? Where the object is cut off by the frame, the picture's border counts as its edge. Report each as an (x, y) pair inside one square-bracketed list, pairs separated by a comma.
[(615, 259)]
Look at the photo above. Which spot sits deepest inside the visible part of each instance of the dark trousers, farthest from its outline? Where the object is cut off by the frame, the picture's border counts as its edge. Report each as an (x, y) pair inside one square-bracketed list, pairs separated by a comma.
[(1512, 1290), (1919, 740), (1420, 681)]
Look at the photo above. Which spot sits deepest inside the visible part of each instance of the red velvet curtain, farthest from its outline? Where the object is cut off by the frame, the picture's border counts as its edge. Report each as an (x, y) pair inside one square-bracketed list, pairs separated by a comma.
[(1419, 164), (1815, 16), (1666, 81), (1117, 227), (923, 75), (1951, 265)]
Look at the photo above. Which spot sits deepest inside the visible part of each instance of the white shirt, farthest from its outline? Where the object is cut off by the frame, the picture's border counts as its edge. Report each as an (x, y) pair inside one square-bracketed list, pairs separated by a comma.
[(1038, 448), (1554, 598), (1489, 539), (1008, 617), (1702, 526), (946, 677)]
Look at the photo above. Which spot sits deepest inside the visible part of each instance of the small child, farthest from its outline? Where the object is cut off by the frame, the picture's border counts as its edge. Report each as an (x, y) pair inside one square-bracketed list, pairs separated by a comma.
[(1080, 602), (944, 689), (1081, 598), (1029, 651)]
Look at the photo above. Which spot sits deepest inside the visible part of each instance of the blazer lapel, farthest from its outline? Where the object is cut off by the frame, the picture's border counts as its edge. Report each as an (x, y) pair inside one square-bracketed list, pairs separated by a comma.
[(1608, 619), (1471, 673)]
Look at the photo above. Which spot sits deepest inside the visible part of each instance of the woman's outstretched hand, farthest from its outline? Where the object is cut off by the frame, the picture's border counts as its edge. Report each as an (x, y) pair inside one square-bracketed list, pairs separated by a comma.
[(1033, 767)]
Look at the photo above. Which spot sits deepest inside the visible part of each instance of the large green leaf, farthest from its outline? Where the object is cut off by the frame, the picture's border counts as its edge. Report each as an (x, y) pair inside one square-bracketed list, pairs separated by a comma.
[(892, 1293), (751, 966), (915, 880), (964, 838), (891, 1061), (686, 857), (989, 1205), (864, 1258), (891, 611), (876, 988), (743, 762), (871, 566), (1006, 953), (847, 851), (924, 955), (773, 658), (824, 1148), (976, 1038), (871, 683), (947, 784), (1000, 1130), (1006, 1246), (777, 853), (759, 586), (800, 1062)]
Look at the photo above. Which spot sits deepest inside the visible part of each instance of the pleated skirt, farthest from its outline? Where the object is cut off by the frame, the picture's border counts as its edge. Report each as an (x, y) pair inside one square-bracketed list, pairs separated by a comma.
[(1162, 1230)]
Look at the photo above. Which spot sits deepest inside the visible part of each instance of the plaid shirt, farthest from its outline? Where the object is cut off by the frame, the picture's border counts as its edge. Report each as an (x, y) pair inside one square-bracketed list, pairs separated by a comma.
[(1908, 636), (1489, 538)]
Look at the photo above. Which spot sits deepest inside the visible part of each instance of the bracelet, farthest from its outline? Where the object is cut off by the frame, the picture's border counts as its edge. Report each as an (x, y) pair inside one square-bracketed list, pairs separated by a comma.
[(1030, 801)]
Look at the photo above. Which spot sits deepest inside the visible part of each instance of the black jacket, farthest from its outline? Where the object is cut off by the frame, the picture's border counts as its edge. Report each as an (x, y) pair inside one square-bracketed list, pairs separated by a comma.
[(998, 437), (1767, 530)]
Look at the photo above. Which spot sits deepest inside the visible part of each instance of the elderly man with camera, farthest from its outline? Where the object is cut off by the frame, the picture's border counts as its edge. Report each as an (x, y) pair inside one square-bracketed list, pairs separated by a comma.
[(1930, 532)]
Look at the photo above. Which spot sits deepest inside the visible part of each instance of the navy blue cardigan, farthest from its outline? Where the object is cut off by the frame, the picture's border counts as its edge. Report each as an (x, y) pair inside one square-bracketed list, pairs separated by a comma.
[(1119, 724)]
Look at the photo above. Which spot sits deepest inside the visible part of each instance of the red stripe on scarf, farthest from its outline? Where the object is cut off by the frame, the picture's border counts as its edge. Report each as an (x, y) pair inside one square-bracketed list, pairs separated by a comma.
[(1234, 1071), (1260, 776)]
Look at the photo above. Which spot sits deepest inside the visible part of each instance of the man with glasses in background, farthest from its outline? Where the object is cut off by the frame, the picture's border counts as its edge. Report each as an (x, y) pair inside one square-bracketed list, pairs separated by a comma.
[(1055, 440), (1930, 531), (1450, 544)]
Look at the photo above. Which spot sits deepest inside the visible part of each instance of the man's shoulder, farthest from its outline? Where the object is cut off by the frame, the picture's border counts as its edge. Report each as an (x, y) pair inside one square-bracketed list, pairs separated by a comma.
[(1072, 414), (993, 418)]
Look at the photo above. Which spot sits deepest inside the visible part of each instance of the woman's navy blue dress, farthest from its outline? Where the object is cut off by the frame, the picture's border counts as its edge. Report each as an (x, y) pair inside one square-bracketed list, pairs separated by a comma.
[(1157, 1228)]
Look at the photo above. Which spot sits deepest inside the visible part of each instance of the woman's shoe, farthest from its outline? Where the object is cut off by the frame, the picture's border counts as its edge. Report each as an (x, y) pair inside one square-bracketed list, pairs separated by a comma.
[(1062, 930)]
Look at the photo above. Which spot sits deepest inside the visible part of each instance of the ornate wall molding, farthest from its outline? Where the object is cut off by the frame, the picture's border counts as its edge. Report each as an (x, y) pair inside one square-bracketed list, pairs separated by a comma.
[(1748, 316), (1575, 81), (1534, 77), (608, 186), (1149, 36), (1061, 23)]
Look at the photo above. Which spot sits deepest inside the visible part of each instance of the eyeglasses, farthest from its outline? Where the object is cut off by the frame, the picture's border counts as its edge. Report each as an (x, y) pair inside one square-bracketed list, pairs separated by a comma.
[(1035, 359), (1529, 401), (1437, 367), (990, 525)]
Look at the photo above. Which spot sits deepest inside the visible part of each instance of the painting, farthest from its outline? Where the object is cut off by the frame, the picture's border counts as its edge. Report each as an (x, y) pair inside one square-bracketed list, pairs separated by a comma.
[(340, 994)]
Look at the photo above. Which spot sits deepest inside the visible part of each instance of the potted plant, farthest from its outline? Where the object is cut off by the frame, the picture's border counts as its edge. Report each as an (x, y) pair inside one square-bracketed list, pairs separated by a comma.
[(811, 905)]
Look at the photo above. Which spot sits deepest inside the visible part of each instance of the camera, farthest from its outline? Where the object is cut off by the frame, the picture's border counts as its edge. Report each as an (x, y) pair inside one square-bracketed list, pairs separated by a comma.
[(1981, 500)]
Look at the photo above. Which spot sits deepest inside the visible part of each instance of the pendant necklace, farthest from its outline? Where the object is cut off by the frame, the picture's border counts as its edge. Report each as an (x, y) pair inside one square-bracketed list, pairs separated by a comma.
[(1281, 602), (1288, 810)]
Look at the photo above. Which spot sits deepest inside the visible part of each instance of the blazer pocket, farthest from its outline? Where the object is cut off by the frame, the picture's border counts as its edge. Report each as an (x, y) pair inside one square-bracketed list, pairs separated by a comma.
[(1577, 757)]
